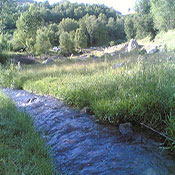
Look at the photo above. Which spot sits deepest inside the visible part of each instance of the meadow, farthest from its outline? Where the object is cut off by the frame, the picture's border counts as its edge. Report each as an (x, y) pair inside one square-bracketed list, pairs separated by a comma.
[(140, 90), (22, 150)]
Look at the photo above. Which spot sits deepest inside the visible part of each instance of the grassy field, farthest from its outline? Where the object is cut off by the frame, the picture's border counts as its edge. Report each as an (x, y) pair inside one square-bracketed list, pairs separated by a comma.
[(22, 150), (142, 90)]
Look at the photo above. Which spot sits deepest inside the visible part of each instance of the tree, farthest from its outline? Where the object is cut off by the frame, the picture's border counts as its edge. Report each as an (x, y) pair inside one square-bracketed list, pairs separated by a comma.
[(80, 39), (129, 27), (27, 26), (67, 25), (143, 20), (144, 26), (6, 8), (163, 12), (96, 32), (42, 44), (66, 43), (143, 6), (53, 34)]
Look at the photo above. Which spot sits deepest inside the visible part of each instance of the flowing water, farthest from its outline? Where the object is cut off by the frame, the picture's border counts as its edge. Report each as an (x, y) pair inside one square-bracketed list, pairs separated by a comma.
[(80, 146)]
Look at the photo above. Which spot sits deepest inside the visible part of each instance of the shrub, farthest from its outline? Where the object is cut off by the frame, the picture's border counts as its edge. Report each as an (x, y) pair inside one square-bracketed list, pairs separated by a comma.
[(9, 76)]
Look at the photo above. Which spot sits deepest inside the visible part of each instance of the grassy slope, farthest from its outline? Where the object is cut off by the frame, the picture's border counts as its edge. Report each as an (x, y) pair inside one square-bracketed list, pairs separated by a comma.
[(22, 150), (163, 38)]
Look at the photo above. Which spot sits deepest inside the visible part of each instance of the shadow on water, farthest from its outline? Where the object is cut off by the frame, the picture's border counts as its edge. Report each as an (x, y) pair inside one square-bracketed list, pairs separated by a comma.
[(81, 146)]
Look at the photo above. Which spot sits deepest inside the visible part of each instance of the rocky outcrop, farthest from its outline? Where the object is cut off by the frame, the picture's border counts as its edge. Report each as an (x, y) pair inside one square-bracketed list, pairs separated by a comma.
[(133, 45)]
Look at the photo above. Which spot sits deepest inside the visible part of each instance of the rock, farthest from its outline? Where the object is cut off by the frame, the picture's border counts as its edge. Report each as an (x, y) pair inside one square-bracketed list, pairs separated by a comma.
[(84, 110), (83, 56), (126, 130), (31, 100), (44, 57), (152, 50), (47, 61), (56, 49), (143, 51), (123, 48), (133, 45), (118, 65), (113, 54), (163, 48), (170, 58)]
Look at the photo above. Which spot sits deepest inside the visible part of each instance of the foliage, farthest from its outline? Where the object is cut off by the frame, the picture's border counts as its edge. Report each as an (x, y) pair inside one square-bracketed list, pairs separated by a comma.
[(143, 6), (42, 44), (27, 26), (67, 25), (130, 28), (80, 39), (66, 43), (163, 12), (9, 76), (144, 26), (5, 45), (22, 150), (53, 34), (3, 57)]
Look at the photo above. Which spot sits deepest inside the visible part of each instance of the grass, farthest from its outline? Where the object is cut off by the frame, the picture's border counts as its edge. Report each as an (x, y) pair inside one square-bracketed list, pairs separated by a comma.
[(143, 90), (22, 150), (163, 38)]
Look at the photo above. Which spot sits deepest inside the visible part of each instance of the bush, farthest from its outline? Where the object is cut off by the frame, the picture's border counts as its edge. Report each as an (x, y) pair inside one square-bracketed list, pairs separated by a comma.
[(3, 57), (112, 43), (5, 45), (9, 76)]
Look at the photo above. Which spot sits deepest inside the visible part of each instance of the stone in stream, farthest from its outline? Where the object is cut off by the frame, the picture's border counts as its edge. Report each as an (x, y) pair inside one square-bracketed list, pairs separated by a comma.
[(126, 131)]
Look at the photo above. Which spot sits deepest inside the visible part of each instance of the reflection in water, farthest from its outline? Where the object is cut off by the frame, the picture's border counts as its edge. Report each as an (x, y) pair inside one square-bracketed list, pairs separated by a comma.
[(82, 147)]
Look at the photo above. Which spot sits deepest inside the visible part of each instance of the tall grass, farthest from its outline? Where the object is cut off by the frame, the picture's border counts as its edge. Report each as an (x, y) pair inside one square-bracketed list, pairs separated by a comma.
[(22, 150), (140, 91)]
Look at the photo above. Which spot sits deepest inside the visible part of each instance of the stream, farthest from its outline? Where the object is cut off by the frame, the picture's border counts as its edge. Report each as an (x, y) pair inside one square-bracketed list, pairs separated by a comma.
[(81, 146)]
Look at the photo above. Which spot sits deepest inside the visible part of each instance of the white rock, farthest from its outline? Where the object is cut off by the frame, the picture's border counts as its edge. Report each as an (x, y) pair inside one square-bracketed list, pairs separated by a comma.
[(133, 45), (47, 61), (152, 50)]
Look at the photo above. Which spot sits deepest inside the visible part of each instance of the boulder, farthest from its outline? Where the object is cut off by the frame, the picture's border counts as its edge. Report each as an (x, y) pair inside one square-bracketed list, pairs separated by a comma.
[(133, 45), (47, 61), (126, 131), (152, 50)]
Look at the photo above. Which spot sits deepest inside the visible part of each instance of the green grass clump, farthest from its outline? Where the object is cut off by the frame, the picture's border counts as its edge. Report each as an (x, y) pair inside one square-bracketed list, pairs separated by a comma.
[(9, 76), (22, 150)]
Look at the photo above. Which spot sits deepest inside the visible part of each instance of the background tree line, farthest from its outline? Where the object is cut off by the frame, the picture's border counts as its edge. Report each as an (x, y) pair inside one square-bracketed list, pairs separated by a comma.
[(36, 27)]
